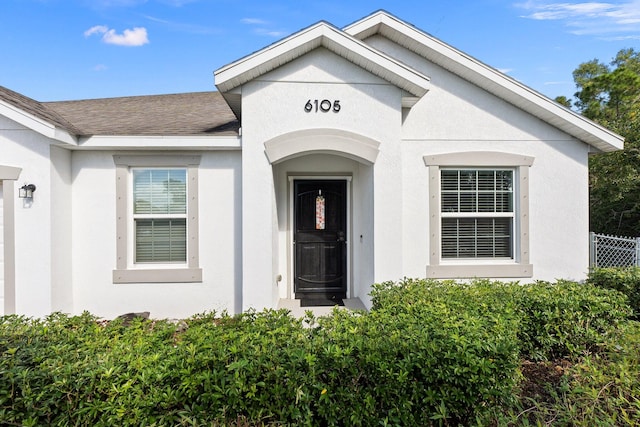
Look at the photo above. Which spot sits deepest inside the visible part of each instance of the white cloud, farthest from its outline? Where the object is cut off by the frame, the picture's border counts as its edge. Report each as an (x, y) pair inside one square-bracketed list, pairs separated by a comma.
[(262, 27), (136, 37), (588, 18), (154, 19), (98, 29), (100, 67), (505, 70), (178, 3), (103, 4), (253, 21), (622, 38), (182, 27), (270, 33), (568, 10)]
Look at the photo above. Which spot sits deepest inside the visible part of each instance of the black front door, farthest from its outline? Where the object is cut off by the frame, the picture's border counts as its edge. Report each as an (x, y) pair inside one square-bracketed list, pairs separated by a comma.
[(320, 211)]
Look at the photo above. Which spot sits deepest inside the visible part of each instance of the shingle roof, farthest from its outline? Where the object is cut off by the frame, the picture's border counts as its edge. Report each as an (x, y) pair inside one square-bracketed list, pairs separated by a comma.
[(200, 113), (36, 109)]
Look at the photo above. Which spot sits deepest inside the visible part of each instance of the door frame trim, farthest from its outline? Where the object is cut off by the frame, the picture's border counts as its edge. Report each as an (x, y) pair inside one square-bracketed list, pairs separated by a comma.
[(291, 219)]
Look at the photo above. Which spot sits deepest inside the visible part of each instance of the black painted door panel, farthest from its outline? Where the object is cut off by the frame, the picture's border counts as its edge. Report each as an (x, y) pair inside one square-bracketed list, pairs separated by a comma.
[(320, 211)]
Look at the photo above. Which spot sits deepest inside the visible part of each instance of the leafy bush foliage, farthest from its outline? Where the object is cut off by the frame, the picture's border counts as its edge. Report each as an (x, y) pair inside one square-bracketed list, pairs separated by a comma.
[(428, 353), (554, 320), (622, 279), (566, 319), (604, 388), (599, 389), (416, 363)]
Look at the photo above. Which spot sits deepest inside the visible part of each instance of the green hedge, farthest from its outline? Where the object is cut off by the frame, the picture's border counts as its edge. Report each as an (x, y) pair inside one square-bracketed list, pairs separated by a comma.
[(567, 319), (428, 353), (555, 320), (621, 279), (416, 365)]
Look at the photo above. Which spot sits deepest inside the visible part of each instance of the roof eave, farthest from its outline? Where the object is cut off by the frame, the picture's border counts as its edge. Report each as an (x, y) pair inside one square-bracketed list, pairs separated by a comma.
[(37, 124), (487, 78), (160, 142)]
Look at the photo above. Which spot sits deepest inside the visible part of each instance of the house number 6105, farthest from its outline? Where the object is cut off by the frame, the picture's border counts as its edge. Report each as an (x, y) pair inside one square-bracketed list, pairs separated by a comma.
[(325, 105)]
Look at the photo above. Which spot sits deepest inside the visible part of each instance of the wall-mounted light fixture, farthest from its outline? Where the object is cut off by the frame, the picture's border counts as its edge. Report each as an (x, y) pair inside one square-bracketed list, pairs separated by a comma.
[(26, 191)]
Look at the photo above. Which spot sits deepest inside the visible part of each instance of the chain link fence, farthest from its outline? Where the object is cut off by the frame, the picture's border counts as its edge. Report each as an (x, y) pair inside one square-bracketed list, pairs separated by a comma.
[(613, 251)]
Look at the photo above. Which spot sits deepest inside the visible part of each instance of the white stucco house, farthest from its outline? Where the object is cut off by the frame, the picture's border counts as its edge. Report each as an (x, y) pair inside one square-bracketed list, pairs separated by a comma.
[(326, 162)]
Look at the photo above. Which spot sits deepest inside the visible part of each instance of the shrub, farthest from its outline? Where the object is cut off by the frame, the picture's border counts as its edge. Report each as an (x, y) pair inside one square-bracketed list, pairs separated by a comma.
[(554, 320), (416, 367), (566, 319), (600, 389), (454, 346), (74, 370), (428, 353), (604, 389), (621, 279)]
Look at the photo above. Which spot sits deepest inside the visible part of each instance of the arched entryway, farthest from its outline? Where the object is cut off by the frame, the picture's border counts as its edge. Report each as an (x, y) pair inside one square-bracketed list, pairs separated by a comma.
[(324, 197)]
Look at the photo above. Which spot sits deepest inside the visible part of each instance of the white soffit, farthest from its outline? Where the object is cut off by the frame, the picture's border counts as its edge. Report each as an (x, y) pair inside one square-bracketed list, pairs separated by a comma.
[(486, 77), (322, 34), (159, 142)]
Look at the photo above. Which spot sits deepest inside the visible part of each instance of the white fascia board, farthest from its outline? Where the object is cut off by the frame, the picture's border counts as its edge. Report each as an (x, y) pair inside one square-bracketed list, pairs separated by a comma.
[(321, 34), (64, 136), (376, 62), (487, 78), (36, 124), (160, 142)]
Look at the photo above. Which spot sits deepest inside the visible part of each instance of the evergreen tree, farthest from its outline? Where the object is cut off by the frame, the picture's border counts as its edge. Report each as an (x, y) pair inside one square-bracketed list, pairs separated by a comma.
[(610, 95)]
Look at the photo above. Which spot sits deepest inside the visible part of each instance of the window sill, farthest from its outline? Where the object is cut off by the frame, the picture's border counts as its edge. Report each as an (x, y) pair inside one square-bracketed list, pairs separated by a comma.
[(467, 271), (158, 275)]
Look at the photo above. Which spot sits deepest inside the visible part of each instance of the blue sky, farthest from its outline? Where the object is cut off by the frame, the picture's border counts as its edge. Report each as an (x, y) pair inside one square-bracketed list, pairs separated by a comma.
[(77, 49)]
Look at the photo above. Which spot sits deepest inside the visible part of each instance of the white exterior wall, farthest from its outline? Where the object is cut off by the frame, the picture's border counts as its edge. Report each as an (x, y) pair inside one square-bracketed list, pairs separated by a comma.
[(272, 106), (456, 116), (61, 230), (1, 251), (30, 151), (94, 243)]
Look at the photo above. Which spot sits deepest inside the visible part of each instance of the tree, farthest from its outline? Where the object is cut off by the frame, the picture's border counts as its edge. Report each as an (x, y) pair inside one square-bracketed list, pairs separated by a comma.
[(563, 100), (610, 95)]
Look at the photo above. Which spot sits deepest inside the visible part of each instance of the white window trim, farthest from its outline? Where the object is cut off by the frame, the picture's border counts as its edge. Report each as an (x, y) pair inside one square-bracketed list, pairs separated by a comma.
[(126, 271), (520, 266)]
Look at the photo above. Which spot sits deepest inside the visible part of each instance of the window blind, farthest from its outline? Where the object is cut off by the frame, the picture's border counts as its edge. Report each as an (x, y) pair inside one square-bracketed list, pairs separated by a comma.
[(159, 213), (161, 240), (477, 238), (477, 213), (159, 191)]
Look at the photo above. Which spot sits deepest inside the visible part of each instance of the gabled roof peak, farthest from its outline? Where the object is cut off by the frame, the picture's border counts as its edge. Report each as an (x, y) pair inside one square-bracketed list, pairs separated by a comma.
[(488, 78), (321, 34)]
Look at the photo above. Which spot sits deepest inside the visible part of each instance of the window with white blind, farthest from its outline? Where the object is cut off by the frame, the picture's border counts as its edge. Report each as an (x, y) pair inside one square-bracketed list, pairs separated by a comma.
[(157, 224), (479, 215), (160, 215)]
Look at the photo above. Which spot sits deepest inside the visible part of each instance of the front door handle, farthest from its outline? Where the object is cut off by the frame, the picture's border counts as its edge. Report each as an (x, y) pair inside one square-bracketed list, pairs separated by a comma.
[(340, 236)]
